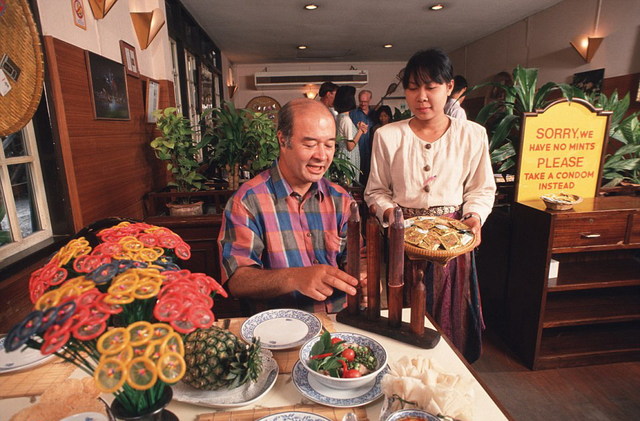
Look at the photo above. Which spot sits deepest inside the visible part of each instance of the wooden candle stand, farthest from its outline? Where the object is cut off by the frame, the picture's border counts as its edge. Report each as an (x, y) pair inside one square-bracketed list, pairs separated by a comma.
[(413, 333)]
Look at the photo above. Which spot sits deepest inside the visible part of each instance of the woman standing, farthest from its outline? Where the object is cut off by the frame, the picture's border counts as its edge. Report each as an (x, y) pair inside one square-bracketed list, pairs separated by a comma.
[(383, 117), (348, 133), (435, 165)]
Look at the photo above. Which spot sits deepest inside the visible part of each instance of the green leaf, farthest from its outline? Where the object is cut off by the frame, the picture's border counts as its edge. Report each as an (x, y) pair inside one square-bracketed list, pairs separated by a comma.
[(502, 130)]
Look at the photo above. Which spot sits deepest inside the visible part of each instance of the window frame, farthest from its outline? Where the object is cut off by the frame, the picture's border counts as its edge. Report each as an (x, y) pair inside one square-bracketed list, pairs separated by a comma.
[(32, 158)]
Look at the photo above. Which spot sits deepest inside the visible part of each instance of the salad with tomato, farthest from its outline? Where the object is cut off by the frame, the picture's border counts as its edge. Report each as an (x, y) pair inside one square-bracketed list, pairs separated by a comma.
[(337, 358)]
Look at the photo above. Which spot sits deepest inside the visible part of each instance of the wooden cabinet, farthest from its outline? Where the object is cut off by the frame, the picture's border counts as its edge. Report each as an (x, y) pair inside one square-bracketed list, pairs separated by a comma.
[(590, 313)]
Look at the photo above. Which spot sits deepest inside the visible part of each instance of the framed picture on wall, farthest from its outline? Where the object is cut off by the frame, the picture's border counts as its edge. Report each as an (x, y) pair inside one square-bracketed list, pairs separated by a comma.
[(153, 99), (129, 59), (108, 87), (589, 82)]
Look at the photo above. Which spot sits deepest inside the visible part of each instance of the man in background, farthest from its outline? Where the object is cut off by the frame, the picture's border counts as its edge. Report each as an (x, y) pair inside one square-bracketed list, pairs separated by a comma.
[(327, 95), (361, 116), (453, 106)]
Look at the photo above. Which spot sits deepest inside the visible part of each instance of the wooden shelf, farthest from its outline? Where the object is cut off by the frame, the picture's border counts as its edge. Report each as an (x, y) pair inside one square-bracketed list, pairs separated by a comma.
[(588, 344), (596, 274), (589, 314), (592, 307)]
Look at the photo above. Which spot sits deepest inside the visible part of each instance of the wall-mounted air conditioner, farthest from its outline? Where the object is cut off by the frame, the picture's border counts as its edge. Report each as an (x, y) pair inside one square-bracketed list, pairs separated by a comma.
[(297, 79)]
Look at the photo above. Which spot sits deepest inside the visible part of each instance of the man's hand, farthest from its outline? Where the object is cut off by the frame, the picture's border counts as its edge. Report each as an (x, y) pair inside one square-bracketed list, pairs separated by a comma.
[(319, 281)]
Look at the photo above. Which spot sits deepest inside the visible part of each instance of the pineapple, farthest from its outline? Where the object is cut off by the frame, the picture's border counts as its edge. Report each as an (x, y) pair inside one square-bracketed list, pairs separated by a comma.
[(217, 359)]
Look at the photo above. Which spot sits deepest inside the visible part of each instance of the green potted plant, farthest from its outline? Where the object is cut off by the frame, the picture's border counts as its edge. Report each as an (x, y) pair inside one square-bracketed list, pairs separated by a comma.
[(621, 168), (341, 170), (262, 130), (176, 146), (233, 142), (503, 118)]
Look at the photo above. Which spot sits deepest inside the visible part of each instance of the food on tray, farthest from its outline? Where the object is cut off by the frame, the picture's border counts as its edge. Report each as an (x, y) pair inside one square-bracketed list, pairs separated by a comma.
[(414, 235), (562, 198), (437, 233), (337, 358), (217, 359)]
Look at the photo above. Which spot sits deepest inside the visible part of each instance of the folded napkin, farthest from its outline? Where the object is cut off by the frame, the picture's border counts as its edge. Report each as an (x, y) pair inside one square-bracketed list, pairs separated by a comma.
[(420, 383)]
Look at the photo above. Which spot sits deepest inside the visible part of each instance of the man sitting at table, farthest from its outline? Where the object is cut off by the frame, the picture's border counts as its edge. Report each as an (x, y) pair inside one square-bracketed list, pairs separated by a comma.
[(283, 233)]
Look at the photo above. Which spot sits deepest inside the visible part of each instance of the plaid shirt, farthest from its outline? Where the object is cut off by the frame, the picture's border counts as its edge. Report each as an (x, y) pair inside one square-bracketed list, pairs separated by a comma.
[(268, 225)]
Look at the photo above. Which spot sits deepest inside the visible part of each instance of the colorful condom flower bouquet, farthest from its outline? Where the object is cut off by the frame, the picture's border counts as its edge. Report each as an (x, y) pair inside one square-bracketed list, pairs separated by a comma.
[(117, 309)]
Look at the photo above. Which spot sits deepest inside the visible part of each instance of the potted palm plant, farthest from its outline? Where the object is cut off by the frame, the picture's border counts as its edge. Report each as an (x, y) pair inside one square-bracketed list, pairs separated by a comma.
[(176, 146), (503, 118), (232, 140), (621, 169)]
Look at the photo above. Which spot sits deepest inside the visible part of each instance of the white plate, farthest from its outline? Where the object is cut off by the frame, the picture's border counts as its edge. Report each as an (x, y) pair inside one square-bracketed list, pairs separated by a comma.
[(282, 328), (86, 416), (20, 359), (294, 416), (246, 394), (311, 389)]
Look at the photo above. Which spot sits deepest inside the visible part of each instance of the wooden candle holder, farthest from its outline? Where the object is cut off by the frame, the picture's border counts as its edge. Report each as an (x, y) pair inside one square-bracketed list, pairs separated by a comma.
[(413, 333)]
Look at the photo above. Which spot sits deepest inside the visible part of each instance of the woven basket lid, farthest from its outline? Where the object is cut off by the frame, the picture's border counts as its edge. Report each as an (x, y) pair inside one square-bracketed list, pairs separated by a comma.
[(20, 41)]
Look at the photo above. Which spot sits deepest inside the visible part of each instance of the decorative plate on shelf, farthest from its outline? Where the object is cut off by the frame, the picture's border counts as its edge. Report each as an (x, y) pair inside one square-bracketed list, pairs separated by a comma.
[(294, 416), (281, 328), (265, 104), (244, 395), (313, 390), (20, 359)]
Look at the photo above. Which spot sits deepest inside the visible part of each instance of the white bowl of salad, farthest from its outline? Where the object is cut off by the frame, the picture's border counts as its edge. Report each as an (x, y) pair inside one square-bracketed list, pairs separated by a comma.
[(343, 360)]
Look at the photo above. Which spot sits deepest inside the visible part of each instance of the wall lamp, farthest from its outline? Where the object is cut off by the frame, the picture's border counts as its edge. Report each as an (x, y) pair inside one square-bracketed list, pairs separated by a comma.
[(232, 87), (310, 91), (587, 47), (147, 25), (100, 8)]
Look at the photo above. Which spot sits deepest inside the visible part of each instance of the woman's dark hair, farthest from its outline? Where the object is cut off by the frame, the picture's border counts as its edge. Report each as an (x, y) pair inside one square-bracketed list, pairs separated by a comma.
[(384, 109), (426, 66), (345, 99)]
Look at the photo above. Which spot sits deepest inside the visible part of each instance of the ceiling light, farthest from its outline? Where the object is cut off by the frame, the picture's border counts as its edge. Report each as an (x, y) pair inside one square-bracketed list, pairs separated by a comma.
[(388, 45), (302, 47), (311, 6), (438, 6)]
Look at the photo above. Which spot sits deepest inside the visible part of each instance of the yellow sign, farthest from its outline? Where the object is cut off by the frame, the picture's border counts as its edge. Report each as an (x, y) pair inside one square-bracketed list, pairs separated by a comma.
[(561, 150)]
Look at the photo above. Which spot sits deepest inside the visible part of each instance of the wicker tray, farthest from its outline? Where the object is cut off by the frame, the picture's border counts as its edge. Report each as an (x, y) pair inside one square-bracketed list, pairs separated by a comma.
[(437, 256), (553, 205)]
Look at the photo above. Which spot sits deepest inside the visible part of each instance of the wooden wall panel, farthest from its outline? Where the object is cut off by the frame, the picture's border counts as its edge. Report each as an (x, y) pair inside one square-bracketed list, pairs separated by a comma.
[(112, 165), (14, 296)]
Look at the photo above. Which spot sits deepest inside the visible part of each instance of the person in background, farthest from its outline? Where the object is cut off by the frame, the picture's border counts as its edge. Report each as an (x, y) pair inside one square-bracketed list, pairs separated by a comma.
[(495, 93), (283, 233), (383, 117), (349, 134), (327, 94), (432, 164), (364, 114), (453, 106)]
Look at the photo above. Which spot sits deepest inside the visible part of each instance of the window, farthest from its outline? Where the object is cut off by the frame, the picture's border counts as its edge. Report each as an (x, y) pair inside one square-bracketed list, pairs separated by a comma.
[(176, 73), (24, 216), (192, 92)]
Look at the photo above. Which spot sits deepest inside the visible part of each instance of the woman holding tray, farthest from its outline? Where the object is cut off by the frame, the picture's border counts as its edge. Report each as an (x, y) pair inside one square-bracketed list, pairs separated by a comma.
[(434, 165)]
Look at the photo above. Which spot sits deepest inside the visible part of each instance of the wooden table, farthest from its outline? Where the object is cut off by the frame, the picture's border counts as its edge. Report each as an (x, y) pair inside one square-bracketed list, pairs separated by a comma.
[(284, 393)]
